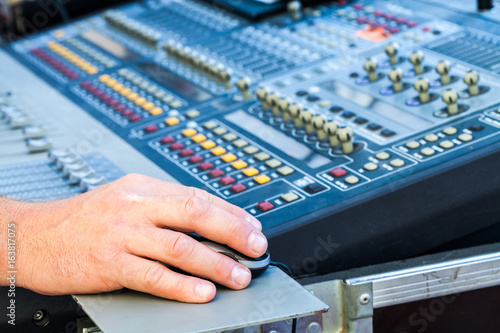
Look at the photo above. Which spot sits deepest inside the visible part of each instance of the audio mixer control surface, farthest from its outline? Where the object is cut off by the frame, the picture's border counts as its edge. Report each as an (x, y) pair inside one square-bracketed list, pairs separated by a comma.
[(368, 131)]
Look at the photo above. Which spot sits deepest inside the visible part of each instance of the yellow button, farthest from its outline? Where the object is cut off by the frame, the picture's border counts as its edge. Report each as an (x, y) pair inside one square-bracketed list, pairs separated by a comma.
[(104, 78), (92, 70), (133, 96), (465, 137), (207, 144), (382, 156), (228, 157), (370, 166), (351, 180), (261, 179), (187, 132), (119, 87), (155, 111), (125, 92), (140, 101), (251, 171), (198, 138), (239, 164), (397, 163), (148, 106), (446, 144), (427, 151), (171, 121), (412, 144), (431, 138), (450, 131), (111, 83), (217, 150)]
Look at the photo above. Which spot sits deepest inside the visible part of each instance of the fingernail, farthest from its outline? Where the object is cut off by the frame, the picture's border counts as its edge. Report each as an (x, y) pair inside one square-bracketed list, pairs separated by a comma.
[(204, 290), (253, 221), (257, 242), (241, 276)]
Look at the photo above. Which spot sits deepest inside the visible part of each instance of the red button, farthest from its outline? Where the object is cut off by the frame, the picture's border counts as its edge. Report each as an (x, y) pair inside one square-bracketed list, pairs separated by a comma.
[(426, 28), (411, 24), (127, 113), (226, 180), (135, 118), (361, 19), (237, 188), (378, 13), (176, 146), (150, 129), (85, 84), (105, 98), (358, 6), (112, 102), (400, 20), (215, 173), (389, 17), (394, 30), (98, 93), (264, 206), (373, 23), (119, 107), (166, 140), (195, 159), (207, 166), (92, 89), (338, 172), (186, 152)]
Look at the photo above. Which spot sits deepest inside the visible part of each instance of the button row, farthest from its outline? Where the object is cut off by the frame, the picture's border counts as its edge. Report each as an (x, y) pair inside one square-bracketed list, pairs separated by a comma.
[(92, 53), (56, 64), (265, 206), (132, 28), (73, 58)]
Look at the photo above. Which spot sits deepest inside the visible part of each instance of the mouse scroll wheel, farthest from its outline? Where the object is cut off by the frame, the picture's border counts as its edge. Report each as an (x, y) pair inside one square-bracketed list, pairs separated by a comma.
[(230, 255)]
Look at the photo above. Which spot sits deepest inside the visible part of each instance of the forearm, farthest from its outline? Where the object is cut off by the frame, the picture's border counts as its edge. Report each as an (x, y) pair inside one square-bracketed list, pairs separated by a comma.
[(8, 238)]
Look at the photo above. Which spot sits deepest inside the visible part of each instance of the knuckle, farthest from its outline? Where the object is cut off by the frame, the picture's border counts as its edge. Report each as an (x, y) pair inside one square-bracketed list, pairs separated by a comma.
[(153, 276), (182, 248), (195, 208), (133, 178), (202, 194)]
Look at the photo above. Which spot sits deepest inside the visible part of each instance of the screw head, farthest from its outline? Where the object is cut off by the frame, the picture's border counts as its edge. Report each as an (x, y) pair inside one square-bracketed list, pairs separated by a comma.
[(38, 315), (364, 299)]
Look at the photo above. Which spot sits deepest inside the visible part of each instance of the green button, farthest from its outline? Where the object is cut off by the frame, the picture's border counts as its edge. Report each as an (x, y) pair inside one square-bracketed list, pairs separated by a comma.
[(219, 131), (261, 156), (229, 137), (274, 163), (289, 197), (285, 170), (210, 125), (240, 143), (250, 150)]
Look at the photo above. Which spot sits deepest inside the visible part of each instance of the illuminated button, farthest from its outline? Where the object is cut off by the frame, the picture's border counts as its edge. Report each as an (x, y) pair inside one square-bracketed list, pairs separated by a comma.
[(397, 163), (210, 125), (382, 156), (125, 92), (370, 166), (237, 188), (261, 156), (195, 159), (188, 132), (186, 152), (150, 129), (155, 111), (112, 83), (338, 172), (351, 180), (119, 87), (274, 163), (239, 164), (465, 137), (228, 157), (176, 146), (171, 121), (104, 78), (166, 140), (264, 206), (133, 96), (250, 150), (229, 137), (215, 173), (198, 138), (207, 166), (446, 144), (450, 131), (140, 101), (192, 113), (207, 144), (412, 144), (431, 138), (285, 170), (251, 171), (226, 180), (289, 197), (261, 179), (219, 131), (218, 151), (175, 104), (427, 151), (240, 143), (148, 106)]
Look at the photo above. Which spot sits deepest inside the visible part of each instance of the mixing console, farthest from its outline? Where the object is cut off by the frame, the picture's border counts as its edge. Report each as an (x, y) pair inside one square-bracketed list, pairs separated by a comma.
[(369, 130)]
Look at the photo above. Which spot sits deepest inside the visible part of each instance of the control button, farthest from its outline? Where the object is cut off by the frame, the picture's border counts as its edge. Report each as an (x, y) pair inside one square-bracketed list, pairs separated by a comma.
[(336, 109), (427, 151), (38, 145), (348, 114), (387, 133), (133, 96), (156, 111), (301, 93), (370, 166), (210, 125), (412, 144), (431, 137), (197, 138), (446, 144), (193, 113), (285, 170), (289, 197), (476, 128), (261, 156), (337, 172), (261, 179), (397, 163), (314, 188), (373, 127), (215, 173), (264, 206), (207, 144), (171, 121), (175, 104), (134, 118), (207, 166), (450, 131), (237, 188), (465, 137), (176, 146), (150, 129), (219, 131), (382, 156), (240, 143), (313, 98), (251, 171), (274, 163), (228, 157), (217, 150), (148, 106), (324, 103), (360, 120), (229, 137), (166, 140), (250, 150), (188, 132), (239, 164), (351, 180), (226, 180), (195, 159), (186, 152)]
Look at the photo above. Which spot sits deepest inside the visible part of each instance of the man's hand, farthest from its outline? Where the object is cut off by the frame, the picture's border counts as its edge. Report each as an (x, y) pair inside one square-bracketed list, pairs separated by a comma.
[(110, 238)]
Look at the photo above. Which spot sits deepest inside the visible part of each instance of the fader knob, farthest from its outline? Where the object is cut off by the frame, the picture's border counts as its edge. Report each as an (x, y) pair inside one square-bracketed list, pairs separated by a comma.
[(261, 94), (422, 86), (225, 77), (318, 123), (450, 97), (282, 105), (396, 75), (272, 100), (346, 136), (331, 128), (294, 9), (370, 66), (416, 59), (244, 85), (306, 117), (471, 78), (443, 68), (295, 110), (392, 51)]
